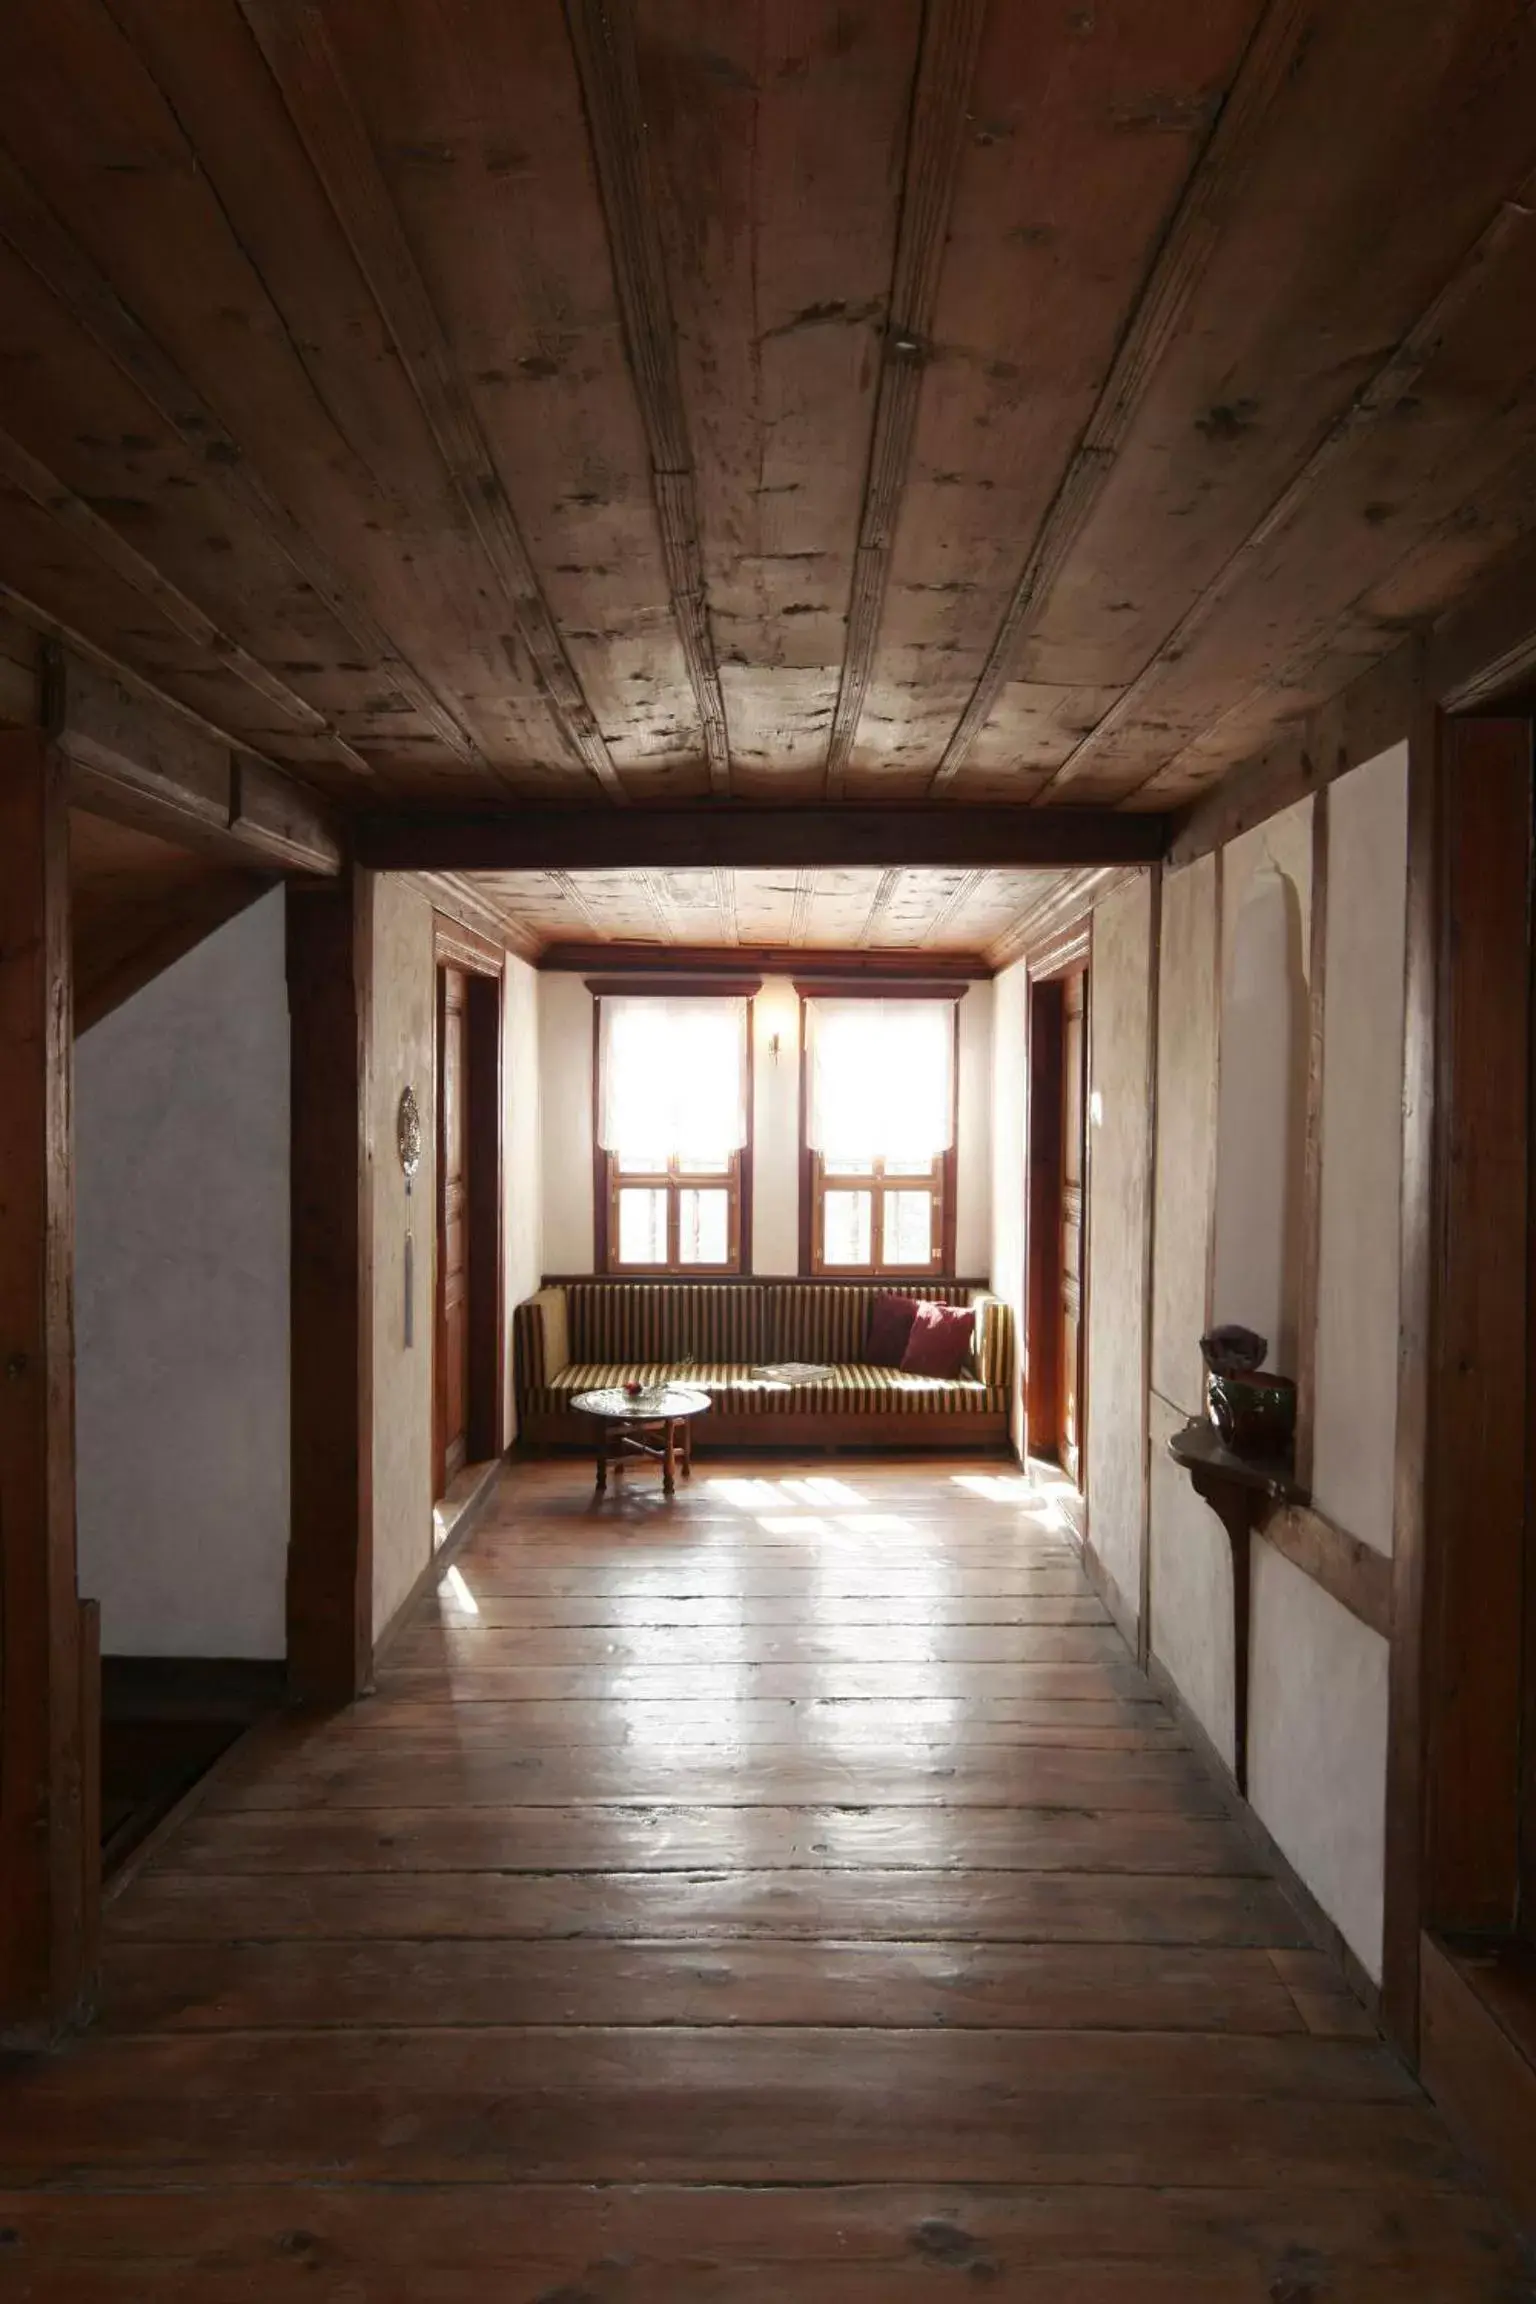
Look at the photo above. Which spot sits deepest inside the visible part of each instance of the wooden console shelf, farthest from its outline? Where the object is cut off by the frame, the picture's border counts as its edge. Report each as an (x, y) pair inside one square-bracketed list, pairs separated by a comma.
[(1244, 1492)]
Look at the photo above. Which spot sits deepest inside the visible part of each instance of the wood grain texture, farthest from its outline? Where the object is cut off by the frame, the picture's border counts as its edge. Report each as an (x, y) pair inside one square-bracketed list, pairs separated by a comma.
[(738, 2004), (935, 141), (47, 1913)]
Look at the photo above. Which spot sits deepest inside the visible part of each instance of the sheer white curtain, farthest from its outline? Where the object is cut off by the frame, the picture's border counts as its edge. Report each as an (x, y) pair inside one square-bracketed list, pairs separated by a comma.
[(673, 1077), (881, 1080)]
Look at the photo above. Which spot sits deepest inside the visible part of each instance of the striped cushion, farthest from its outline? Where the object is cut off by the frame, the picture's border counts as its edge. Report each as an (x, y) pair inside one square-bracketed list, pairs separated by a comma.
[(848, 1388), (666, 1320)]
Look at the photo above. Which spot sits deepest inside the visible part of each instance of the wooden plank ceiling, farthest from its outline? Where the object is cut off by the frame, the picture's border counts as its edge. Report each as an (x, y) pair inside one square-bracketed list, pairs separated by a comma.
[(981, 914), (636, 400)]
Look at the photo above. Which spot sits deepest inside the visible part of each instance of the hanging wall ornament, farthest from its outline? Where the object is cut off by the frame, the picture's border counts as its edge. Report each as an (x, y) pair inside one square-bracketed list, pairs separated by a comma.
[(408, 1142)]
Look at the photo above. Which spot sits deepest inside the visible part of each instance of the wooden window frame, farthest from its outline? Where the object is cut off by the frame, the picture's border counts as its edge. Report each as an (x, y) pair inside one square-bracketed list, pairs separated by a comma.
[(814, 1184), (607, 1180)]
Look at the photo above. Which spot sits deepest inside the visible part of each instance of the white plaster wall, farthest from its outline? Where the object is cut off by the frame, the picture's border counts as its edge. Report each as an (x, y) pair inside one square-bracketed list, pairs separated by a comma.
[(1317, 1759), (1186, 1132), (1191, 1603), (565, 1059), (522, 1151), (1355, 1431), (565, 1097), (404, 998), (1118, 1184), (181, 1305), (1010, 1078)]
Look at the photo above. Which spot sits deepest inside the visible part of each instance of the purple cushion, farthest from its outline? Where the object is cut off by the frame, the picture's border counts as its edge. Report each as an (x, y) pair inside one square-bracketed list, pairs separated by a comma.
[(890, 1325), (940, 1342)]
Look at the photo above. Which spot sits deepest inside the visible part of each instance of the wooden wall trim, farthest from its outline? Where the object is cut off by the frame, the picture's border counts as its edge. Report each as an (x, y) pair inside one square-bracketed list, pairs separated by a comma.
[(49, 1869), (455, 945), (678, 987), (1349, 1571), (1312, 1168), (486, 1431), (753, 962), (330, 1558), (1419, 1254)]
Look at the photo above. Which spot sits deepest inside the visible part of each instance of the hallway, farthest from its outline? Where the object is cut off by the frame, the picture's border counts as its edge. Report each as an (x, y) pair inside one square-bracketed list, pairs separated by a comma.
[(792, 1893)]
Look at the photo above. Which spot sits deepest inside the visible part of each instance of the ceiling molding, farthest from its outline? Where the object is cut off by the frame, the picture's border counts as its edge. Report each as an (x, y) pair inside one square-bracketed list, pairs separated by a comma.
[(602, 34), (1213, 185), (303, 63), (935, 145), (43, 243), (103, 542), (534, 839), (1057, 912)]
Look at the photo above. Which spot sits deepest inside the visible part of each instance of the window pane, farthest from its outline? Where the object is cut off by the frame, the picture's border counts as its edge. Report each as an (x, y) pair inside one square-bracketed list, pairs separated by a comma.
[(640, 1163), (642, 1224), (923, 1168), (848, 1167), (696, 1164), (847, 1227), (908, 1228), (704, 1227)]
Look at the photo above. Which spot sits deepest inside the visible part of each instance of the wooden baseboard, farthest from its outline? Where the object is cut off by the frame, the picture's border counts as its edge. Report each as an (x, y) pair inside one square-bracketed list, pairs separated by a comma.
[(1324, 1932), (196, 1687), (1127, 1622), (1479, 2076)]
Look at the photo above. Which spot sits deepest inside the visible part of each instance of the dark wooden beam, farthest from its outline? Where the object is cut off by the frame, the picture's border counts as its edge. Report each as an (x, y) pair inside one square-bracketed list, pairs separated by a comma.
[(569, 839), (302, 61), (1483, 650), (43, 242), (603, 41), (1182, 258), (1380, 401), (935, 145), (49, 1873), (1351, 1572), (330, 1556), (151, 766), (33, 480), (751, 962)]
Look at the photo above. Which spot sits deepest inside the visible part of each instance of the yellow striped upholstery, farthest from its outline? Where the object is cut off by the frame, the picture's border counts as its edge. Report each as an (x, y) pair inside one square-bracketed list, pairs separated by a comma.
[(585, 1335)]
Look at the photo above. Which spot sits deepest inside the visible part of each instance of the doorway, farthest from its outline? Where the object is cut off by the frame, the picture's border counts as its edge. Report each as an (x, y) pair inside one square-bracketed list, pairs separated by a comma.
[(1056, 1219), (468, 1366)]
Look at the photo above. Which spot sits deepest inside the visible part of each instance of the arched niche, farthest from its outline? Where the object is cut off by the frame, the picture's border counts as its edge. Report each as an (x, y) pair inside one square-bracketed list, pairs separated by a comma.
[(1261, 1113)]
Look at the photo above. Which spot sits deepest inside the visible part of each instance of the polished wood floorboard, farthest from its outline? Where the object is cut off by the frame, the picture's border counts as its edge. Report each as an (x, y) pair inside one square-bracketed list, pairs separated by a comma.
[(792, 1894)]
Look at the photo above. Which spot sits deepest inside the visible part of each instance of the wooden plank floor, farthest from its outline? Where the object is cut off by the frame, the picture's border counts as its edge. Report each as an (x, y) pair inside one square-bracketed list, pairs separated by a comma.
[(791, 1895)]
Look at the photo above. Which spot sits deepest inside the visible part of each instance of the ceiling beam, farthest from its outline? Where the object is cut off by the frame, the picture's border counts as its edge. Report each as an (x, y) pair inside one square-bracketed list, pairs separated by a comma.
[(602, 34), (292, 36), (935, 144), (762, 960), (1180, 265), (33, 480), (43, 243), (535, 839), (1379, 399), (144, 765)]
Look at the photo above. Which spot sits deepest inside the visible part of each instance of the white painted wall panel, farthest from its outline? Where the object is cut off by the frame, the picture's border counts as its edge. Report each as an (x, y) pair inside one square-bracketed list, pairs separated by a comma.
[(1117, 1213), (181, 1118), (1191, 1613), (565, 1072), (1362, 1148), (1317, 1760)]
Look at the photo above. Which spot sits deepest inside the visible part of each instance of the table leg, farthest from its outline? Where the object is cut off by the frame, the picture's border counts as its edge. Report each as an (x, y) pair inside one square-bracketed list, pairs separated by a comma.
[(687, 1432), (602, 1458), (669, 1458)]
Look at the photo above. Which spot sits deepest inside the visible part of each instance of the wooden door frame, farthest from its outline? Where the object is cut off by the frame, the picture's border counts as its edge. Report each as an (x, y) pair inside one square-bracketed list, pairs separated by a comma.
[(484, 965), (1069, 949), (50, 1839), (1441, 1770)]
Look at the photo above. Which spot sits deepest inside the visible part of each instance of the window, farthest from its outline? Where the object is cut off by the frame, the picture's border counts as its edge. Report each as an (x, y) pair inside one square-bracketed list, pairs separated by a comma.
[(880, 1128), (672, 1132)]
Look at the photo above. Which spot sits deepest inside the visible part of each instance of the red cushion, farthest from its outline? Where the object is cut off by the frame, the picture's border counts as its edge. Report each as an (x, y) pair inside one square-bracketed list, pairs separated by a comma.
[(940, 1342), (890, 1325)]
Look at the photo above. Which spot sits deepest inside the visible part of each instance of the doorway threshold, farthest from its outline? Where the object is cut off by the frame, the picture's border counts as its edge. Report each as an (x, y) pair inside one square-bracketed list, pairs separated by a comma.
[(454, 1513)]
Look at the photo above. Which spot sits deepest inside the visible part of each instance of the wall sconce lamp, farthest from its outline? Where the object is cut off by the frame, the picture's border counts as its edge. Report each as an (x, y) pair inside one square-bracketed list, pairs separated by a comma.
[(775, 1045)]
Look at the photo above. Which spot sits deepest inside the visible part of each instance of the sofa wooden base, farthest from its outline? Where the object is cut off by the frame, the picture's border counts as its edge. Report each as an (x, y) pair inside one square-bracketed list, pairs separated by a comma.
[(937, 1429)]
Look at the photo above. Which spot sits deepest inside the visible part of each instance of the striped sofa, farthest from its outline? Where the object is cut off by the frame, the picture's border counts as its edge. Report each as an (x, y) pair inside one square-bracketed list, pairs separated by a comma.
[(580, 1335)]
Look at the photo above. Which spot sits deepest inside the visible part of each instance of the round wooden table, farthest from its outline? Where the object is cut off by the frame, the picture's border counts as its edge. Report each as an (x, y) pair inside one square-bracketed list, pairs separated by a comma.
[(658, 1427)]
